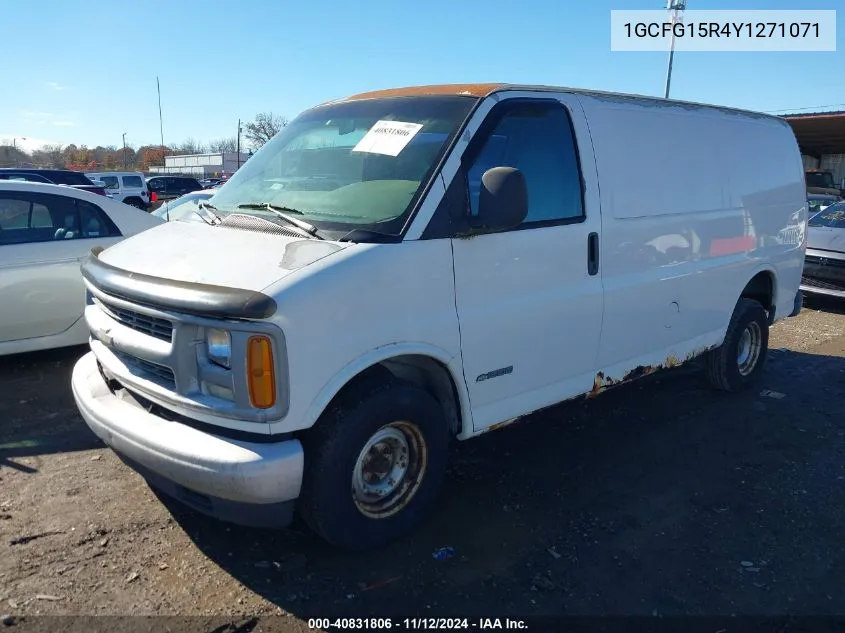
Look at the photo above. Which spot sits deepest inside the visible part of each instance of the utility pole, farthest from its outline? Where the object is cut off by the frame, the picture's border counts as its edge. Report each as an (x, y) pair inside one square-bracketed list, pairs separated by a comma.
[(675, 6), (15, 146), (160, 124), (124, 150), (239, 144)]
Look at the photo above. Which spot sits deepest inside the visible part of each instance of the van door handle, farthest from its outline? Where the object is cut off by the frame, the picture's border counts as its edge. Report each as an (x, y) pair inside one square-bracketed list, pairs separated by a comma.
[(593, 253)]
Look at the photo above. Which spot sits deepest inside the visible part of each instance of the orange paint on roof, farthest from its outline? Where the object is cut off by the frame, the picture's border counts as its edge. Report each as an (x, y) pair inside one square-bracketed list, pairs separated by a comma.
[(474, 90)]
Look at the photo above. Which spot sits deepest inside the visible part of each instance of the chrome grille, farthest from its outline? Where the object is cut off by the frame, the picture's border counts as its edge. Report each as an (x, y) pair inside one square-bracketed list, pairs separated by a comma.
[(835, 263), (163, 374), (813, 282), (161, 329)]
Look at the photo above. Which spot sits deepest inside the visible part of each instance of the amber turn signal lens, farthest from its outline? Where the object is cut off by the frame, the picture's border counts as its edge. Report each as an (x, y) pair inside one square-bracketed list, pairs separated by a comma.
[(260, 374)]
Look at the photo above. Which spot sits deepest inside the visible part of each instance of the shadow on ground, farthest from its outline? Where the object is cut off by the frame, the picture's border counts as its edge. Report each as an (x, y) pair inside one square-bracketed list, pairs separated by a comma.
[(37, 413), (824, 304), (659, 497)]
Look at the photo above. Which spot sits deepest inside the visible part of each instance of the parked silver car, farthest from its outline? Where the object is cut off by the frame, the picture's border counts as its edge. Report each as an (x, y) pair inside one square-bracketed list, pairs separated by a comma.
[(824, 263)]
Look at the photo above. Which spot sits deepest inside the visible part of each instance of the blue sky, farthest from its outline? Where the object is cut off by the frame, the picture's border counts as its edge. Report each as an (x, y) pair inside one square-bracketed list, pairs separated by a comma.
[(86, 71)]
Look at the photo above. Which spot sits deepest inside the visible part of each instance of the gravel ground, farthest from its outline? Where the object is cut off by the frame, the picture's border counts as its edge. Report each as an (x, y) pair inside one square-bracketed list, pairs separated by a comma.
[(659, 497)]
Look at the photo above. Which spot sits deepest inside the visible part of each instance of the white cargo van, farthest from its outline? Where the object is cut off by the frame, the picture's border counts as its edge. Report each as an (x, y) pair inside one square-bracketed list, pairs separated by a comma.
[(403, 268)]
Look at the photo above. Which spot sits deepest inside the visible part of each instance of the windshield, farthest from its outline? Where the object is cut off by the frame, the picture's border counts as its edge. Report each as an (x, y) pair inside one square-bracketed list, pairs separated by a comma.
[(179, 209), (833, 217), (819, 179), (351, 165)]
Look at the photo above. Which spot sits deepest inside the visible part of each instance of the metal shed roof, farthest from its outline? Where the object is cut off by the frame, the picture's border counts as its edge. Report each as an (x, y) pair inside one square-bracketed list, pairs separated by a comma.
[(819, 132)]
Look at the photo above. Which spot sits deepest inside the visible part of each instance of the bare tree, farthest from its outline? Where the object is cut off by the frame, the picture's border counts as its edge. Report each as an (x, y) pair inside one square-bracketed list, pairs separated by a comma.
[(50, 156), (265, 127), (12, 156), (190, 146), (223, 145)]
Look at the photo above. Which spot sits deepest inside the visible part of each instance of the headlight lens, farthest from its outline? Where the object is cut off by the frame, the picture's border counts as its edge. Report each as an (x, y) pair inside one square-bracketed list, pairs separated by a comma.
[(219, 344)]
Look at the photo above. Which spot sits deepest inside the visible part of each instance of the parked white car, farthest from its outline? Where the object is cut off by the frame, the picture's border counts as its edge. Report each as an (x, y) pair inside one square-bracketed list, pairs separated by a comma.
[(400, 269), (128, 187), (45, 232)]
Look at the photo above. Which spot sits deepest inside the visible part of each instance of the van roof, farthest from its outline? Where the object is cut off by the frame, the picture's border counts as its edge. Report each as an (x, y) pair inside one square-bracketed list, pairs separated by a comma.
[(480, 90)]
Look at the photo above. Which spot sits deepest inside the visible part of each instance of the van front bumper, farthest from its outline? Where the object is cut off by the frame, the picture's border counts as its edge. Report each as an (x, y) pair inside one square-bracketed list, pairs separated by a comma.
[(248, 483)]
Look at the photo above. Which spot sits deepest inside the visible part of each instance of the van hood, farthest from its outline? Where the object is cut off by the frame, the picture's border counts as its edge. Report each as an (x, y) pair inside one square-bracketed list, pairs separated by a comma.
[(826, 239), (217, 255)]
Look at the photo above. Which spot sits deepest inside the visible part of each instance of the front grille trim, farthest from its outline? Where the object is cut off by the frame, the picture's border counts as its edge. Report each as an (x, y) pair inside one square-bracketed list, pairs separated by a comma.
[(160, 374), (156, 327)]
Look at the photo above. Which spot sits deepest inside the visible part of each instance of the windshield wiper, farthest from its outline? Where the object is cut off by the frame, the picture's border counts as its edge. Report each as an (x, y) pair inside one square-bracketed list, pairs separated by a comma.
[(207, 206), (284, 213)]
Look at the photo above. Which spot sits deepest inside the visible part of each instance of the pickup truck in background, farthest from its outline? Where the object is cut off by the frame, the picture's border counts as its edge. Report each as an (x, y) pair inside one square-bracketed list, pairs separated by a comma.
[(65, 177), (821, 181)]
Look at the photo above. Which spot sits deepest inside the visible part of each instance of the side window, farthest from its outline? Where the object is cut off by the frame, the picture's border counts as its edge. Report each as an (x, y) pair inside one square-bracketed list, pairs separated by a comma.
[(133, 182), (537, 139), (111, 182), (40, 218), (156, 184), (93, 222), (27, 218), (14, 213)]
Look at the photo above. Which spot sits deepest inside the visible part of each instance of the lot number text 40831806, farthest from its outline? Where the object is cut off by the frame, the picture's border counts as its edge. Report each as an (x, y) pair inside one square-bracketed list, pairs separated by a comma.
[(417, 624)]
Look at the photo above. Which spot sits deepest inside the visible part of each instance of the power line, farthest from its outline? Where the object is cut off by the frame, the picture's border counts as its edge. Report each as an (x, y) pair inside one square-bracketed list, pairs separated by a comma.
[(833, 105)]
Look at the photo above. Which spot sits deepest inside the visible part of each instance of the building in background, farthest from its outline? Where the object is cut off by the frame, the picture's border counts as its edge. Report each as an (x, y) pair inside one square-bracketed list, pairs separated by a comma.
[(211, 165), (821, 137)]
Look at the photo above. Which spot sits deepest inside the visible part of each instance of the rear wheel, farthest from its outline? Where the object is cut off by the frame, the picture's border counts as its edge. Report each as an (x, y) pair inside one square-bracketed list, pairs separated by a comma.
[(134, 202), (374, 464), (739, 362)]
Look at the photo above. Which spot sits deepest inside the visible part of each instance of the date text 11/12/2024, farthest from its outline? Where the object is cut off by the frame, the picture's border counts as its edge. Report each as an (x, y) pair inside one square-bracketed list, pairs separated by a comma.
[(416, 624)]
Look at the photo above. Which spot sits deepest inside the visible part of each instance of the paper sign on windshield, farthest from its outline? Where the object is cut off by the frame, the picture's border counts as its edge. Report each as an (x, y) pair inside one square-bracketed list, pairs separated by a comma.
[(387, 137)]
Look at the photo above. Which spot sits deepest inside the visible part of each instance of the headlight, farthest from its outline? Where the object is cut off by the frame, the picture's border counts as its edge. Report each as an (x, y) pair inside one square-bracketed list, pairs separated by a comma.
[(219, 344)]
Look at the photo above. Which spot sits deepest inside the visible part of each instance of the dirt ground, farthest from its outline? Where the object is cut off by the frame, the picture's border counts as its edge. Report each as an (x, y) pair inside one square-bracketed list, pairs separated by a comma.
[(659, 497)]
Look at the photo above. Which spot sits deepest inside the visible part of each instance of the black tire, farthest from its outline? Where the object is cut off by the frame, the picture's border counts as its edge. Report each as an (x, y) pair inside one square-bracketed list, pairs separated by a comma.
[(332, 449), (727, 369), (134, 202)]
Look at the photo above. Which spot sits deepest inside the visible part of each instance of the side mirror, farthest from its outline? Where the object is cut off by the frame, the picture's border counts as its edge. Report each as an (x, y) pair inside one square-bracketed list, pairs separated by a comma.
[(502, 201)]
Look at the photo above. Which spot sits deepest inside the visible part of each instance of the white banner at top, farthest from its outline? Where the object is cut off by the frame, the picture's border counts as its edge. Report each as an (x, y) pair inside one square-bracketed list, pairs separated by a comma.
[(724, 31)]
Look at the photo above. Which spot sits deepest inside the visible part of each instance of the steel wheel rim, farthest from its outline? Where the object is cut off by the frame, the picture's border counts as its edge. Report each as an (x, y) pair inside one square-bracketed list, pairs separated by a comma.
[(748, 351), (389, 470)]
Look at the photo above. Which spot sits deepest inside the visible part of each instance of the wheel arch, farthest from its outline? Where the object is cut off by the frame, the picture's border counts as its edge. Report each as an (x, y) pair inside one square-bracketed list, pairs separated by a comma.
[(427, 367), (762, 287)]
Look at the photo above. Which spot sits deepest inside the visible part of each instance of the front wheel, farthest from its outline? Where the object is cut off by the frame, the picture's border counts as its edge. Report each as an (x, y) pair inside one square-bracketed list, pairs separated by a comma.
[(374, 465), (739, 362)]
